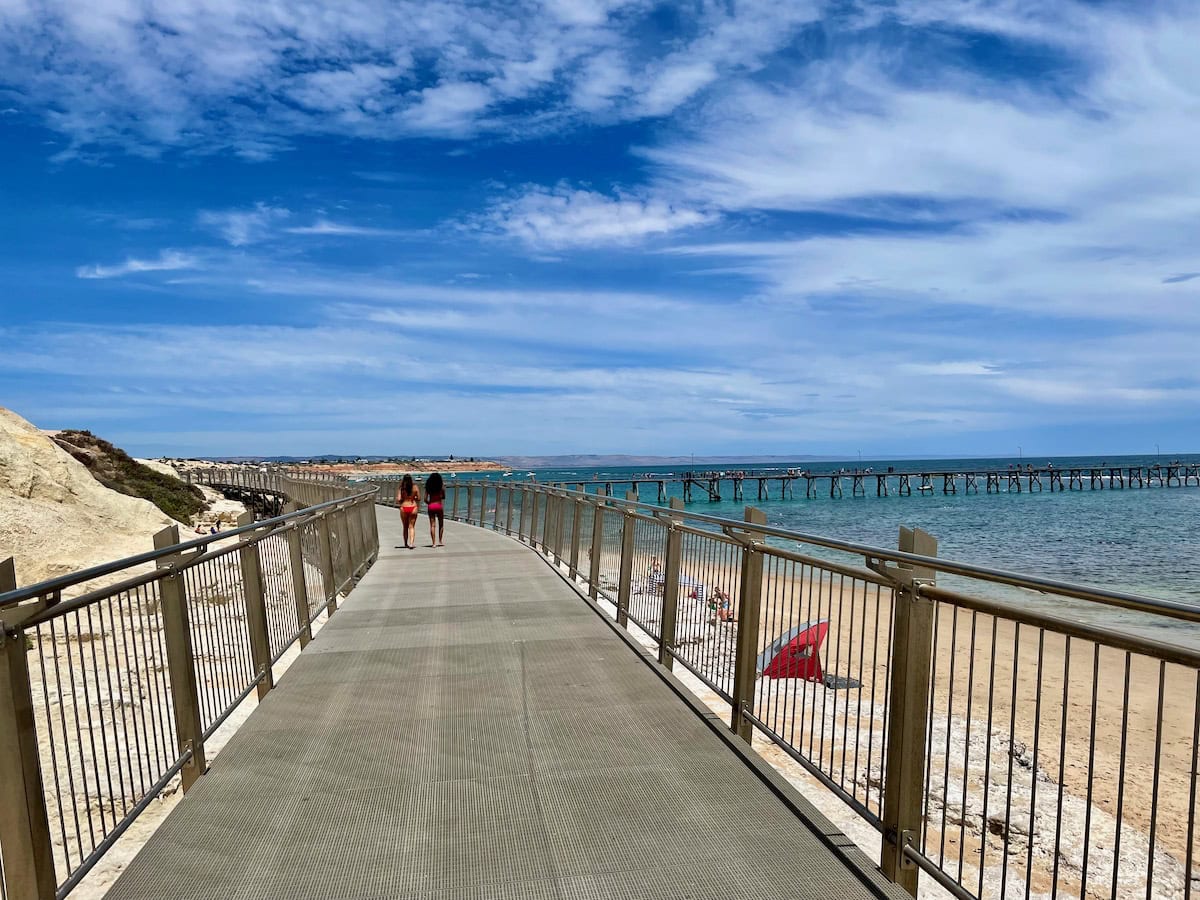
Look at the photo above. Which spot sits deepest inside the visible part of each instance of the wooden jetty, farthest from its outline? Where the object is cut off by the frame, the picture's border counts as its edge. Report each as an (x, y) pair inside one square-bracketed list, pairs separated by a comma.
[(782, 485)]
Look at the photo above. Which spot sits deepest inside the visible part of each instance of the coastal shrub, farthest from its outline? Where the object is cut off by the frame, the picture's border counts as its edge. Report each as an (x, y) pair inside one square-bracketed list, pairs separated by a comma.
[(116, 470)]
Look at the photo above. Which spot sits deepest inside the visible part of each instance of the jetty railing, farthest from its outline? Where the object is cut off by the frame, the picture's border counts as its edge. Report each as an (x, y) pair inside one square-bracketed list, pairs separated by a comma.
[(1006, 735), (113, 679)]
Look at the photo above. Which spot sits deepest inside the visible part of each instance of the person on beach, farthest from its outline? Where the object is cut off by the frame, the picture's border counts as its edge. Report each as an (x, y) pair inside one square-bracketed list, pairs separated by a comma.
[(435, 497), (722, 606), (409, 499)]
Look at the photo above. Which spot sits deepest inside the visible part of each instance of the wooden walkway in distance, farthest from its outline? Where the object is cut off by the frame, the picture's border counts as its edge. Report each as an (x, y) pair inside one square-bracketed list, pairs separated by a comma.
[(468, 726)]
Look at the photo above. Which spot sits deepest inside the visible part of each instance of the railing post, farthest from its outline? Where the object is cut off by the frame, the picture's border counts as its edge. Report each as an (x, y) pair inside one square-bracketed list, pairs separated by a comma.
[(328, 576), (533, 517), (548, 525), (912, 648), (576, 521), (256, 612), (181, 660), (372, 520), (522, 533), (560, 522), (470, 500), (745, 662), (550, 532), (299, 584), (597, 549), (509, 512), (625, 577), (28, 853), (670, 606)]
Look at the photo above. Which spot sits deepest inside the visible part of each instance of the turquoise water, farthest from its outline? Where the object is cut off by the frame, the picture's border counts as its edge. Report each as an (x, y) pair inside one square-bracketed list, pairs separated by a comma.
[(1145, 540)]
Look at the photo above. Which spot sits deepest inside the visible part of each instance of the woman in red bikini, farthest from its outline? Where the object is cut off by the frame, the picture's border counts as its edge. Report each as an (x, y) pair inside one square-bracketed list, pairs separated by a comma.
[(435, 496), (409, 500)]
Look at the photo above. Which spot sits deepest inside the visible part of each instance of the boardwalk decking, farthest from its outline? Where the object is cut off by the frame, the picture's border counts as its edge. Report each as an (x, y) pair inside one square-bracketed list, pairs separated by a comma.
[(467, 726)]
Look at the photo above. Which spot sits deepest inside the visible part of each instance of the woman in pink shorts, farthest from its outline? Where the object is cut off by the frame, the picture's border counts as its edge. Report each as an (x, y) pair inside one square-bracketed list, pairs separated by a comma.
[(435, 497)]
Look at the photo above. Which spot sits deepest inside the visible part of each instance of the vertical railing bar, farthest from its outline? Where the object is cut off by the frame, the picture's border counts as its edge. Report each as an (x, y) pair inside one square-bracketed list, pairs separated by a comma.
[(806, 601), (785, 604), (987, 758), (228, 669), (150, 687), (849, 668), (66, 743), (167, 708), (890, 635), (1012, 726), (62, 818), (139, 730), (1121, 776), (1037, 727), (1062, 760), (103, 731), (812, 712), (937, 621), (235, 658), (862, 657), (1087, 814), (871, 723), (91, 819), (1191, 826), (949, 729), (202, 634), (962, 833), (124, 719), (1162, 678)]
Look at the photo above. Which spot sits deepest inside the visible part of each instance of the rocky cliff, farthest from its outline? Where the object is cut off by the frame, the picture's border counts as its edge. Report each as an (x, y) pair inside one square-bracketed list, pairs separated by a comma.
[(54, 516)]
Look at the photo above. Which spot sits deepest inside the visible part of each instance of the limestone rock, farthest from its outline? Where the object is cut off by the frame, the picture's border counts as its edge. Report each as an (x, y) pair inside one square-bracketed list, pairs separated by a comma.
[(54, 516)]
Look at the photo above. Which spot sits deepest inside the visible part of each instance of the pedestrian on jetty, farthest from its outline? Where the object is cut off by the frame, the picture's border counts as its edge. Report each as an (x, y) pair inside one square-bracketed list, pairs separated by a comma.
[(409, 499), (435, 497)]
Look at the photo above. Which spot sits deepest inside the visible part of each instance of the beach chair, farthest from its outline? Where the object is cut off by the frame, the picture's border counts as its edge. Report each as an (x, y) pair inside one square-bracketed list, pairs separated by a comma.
[(796, 653)]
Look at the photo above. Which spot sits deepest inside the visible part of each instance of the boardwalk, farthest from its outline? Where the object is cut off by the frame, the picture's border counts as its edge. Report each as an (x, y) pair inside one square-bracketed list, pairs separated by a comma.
[(466, 726)]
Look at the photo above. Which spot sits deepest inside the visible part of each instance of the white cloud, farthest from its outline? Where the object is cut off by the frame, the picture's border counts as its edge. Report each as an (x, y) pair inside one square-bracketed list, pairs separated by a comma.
[(214, 76), (1070, 194), (240, 227), (326, 227), (168, 260), (448, 108), (562, 217)]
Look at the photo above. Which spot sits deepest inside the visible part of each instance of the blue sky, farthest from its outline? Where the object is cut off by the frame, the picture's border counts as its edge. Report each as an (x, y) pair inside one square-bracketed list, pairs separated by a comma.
[(944, 226)]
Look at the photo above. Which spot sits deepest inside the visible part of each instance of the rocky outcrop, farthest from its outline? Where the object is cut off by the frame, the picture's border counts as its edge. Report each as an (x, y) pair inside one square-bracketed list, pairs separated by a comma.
[(54, 516)]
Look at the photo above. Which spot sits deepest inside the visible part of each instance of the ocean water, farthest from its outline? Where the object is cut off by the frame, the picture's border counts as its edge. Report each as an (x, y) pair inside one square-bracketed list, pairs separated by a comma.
[(1140, 540)]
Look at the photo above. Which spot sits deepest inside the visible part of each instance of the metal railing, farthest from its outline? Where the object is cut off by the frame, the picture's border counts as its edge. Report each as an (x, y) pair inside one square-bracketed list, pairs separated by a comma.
[(1009, 736), (112, 679)]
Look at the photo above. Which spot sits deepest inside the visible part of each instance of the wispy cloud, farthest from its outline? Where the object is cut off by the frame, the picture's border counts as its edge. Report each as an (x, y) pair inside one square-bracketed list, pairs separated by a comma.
[(240, 227), (168, 260), (326, 227), (554, 218), (213, 77)]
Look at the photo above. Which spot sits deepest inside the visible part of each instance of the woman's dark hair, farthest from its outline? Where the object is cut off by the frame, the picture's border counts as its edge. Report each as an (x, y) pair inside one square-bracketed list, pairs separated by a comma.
[(406, 486), (433, 485)]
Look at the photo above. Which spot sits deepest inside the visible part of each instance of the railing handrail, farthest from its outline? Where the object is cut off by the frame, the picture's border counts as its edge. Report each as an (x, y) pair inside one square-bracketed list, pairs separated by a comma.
[(1121, 599), (53, 585), (967, 714)]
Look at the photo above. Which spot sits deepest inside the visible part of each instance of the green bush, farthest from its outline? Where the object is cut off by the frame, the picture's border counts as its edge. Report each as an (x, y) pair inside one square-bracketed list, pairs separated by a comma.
[(115, 469)]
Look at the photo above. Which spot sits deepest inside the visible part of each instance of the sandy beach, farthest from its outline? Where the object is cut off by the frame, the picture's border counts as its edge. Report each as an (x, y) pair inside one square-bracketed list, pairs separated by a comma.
[(1002, 750)]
